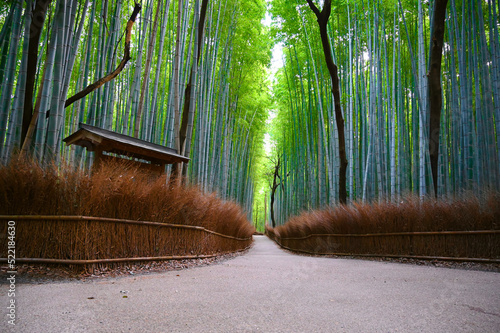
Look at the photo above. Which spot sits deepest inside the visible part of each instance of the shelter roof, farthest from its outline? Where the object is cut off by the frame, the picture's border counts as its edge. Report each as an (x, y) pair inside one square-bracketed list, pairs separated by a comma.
[(95, 138)]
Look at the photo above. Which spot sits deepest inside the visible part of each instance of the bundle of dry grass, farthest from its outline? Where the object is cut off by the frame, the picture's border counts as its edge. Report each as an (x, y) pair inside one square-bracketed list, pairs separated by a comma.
[(328, 230), (119, 191), (116, 190)]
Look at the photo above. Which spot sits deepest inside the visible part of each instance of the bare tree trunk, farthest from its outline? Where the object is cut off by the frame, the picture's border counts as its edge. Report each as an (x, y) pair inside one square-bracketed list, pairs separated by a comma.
[(435, 90), (176, 168), (36, 27), (323, 17), (188, 90), (274, 187)]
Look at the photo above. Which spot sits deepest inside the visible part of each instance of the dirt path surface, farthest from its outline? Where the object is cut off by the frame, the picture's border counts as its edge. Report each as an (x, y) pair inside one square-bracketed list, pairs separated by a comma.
[(266, 290)]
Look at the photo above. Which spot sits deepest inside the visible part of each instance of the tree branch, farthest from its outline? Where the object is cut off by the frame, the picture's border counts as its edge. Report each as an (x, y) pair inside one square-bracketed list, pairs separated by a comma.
[(327, 10), (314, 8), (121, 66)]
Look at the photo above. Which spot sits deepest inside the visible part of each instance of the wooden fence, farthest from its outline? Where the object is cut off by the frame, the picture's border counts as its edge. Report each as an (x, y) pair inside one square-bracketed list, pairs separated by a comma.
[(83, 240), (478, 246)]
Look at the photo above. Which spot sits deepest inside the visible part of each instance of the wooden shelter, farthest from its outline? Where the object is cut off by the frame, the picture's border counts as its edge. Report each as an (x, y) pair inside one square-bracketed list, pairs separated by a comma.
[(108, 145)]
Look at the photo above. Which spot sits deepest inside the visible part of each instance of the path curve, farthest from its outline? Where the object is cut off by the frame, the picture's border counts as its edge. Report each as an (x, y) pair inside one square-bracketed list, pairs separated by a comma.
[(267, 290)]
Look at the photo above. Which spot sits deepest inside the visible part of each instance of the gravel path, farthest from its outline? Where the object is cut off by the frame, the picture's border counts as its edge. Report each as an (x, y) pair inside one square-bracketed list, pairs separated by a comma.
[(266, 290)]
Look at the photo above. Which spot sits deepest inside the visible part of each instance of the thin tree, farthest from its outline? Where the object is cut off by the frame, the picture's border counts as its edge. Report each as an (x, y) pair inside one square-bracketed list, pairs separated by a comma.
[(36, 27), (188, 89), (435, 90), (187, 120), (276, 183), (323, 17)]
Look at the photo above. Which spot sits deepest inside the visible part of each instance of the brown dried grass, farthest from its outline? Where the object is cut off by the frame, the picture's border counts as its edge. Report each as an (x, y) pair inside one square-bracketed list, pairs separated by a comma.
[(116, 190), (467, 213)]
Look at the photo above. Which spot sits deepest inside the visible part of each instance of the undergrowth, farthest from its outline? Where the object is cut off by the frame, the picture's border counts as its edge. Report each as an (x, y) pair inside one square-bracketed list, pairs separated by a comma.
[(115, 190), (379, 229), (412, 214)]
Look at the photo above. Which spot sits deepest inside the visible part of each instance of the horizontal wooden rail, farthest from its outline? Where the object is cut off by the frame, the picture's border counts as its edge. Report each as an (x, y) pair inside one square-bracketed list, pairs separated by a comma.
[(112, 220), (114, 260), (482, 260), (99, 261), (417, 233)]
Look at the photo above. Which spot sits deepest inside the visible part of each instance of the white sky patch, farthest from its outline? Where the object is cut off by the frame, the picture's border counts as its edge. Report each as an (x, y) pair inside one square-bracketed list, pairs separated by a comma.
[(366, 57), (267, 19), (277, 52), (277, 58), (268, 145)]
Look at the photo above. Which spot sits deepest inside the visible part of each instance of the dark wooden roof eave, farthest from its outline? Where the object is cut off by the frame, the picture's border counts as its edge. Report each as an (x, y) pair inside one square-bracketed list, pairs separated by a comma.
[(94, 138)]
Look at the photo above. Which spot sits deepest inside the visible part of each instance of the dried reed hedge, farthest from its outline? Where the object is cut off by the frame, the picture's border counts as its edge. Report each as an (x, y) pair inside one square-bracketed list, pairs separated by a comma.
[(464, 228), (115, 191)]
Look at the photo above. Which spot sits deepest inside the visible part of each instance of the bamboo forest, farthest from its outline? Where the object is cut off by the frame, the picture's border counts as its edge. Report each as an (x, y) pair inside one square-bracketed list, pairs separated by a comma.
[(282, 106)]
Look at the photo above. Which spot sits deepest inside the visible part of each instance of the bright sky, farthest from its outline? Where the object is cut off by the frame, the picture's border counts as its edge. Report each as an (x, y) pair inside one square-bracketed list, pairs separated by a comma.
[(277, 59)]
